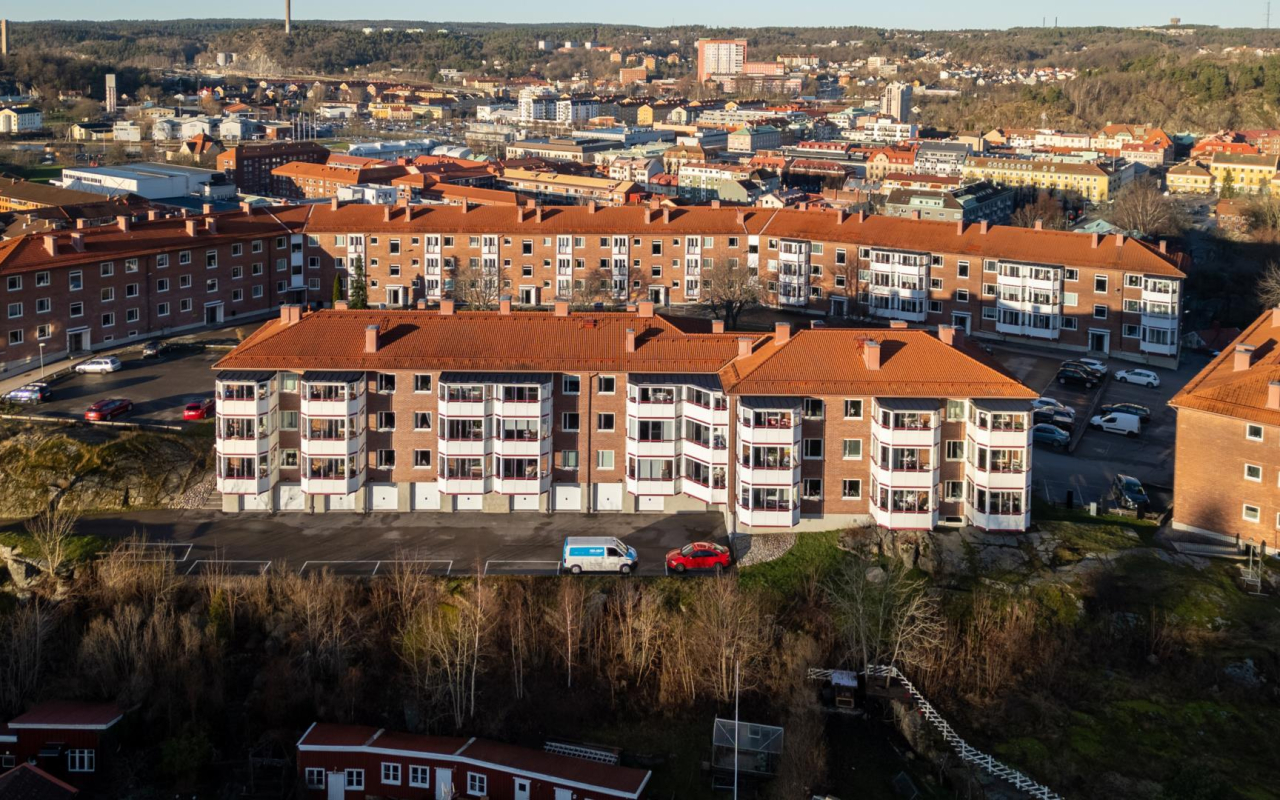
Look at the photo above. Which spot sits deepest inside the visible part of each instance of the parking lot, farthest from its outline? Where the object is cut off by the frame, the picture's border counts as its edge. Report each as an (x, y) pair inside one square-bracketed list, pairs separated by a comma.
[(1086, 470)]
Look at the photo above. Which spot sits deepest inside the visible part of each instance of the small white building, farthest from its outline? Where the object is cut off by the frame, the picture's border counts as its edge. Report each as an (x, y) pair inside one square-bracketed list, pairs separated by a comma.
[(127, 131), (21, 119), (240, 128), (152, 181), (370, 193), (194, 126), (166, 130)]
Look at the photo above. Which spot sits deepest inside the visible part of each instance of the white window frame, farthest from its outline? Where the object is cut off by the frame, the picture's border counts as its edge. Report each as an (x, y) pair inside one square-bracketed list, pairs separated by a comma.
[(1257, 513), (354, 778), (1248, 430), (477, 783), (844, 450), (391, 773), (601, 459), (420, 776), (315, 777), (82, 760), (1257, 478)]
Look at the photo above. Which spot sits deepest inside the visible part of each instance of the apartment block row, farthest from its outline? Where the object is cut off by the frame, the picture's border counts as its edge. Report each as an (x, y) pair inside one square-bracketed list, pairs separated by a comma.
[(79, 290), (625, 412)]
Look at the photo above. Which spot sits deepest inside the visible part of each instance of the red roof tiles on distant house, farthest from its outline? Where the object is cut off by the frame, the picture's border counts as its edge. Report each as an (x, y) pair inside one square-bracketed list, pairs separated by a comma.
[(69, 714)]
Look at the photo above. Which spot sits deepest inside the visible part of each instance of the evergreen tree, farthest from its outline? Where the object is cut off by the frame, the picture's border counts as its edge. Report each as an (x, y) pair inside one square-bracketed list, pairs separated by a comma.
[(1228, 187), (358, 293), (337, 289)]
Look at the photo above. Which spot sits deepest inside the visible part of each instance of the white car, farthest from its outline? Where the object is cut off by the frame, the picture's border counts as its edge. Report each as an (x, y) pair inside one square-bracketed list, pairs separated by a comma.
[(99, 365), (1117, 422), (1100, 366), (1142, 376), (1052, 405)]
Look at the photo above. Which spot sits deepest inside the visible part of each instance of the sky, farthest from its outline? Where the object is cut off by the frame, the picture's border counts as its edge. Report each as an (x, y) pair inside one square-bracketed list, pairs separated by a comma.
[(751, 13)]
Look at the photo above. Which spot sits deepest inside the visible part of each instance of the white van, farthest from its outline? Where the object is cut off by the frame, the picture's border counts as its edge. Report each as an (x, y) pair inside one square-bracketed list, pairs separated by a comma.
[(598, 554), (1118, 422)]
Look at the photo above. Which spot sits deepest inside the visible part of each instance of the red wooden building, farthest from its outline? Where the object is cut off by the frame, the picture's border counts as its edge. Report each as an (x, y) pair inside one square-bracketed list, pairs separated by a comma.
[(341, 762), (63, 738)]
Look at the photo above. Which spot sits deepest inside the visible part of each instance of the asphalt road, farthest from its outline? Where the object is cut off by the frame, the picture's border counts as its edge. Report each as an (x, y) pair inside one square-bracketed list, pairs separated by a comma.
[(356, 544)]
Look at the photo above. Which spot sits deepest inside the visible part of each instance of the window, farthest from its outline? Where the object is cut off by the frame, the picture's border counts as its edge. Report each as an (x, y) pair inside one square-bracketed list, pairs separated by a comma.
[(131, 290), (162, 310), (955, 449), (1099, 284), (184, 281), (16, 337), (386, 420), (477, 783), (812, 448), (812, 408), (1068, 323), (44, 331), (935, 306), (386, 383), (952, 491), (108, 319), (184, 257), (355, 778), (107, 269), (131, 315), (315, 777), (390, 773), (1251, 513), (419, 777), (1253, 433), (570, 384), (569, 422), (569, 459), (1133, 281), (422, 383), (852, 449), (608, 384), (288, 420), (1070, 299), (988, 290), (604, 422), (15, 310), (386, 459), (1131, 332), (989, 312), (935, 283), (81, 761), (811, 489), (211, 259), (1099, 312), (421, 460), (1253, 472), (75, 280), (422, 420), (851, 489), (604, 459), (289, 459), (962, 295), (1070, 274), (853, 409), (15, 283)]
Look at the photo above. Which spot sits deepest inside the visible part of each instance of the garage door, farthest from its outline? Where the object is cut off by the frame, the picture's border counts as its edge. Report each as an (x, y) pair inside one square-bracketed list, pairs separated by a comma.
[(257, 502), (608, 497), (290, 497), (525, 502), (650, 502), (426, 497), (342, 502), (567, 497), (469, 502), (385, 496)]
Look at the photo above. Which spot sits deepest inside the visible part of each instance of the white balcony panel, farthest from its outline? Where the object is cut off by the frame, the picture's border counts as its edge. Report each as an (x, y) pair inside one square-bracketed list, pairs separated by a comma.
[(760, 518)]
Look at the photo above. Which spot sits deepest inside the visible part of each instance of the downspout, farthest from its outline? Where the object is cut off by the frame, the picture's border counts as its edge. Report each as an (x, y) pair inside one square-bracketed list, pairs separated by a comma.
[(591, 383)]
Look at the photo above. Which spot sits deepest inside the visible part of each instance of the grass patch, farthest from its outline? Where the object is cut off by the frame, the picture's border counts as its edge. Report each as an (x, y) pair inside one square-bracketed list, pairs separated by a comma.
[(813, 556), (683, 744), (39, 173), (79, 548)]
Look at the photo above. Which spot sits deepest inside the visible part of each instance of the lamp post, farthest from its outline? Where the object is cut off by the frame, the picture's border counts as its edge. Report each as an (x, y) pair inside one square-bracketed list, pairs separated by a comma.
[(42, 361)]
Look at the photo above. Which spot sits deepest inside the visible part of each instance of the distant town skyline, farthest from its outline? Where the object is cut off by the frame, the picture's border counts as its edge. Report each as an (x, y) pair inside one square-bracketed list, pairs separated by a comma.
[(924, 15)]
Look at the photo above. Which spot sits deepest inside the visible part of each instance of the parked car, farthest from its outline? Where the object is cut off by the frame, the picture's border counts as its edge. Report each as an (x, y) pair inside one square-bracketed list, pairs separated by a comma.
[(598, 553), (1078, 377), (699, 555), (1129, 493), (1125, 424), (108, 409), (1054, 417), (1141, 412), (1051, 403), (99, 365), (31, 393), (202, 409), (1043, 433), (1084, 367), (154, 349), (1145, 377), (1095, 364)]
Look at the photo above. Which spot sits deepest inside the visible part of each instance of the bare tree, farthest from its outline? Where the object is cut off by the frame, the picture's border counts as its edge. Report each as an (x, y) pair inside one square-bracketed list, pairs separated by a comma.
[(589, 289), (727, 626), (51, 532), (1044, 209), (1269, 285), (568, 620), (442, 642), (1142, 208), (729, 288), (1263, 213), (884, 616), (478, 287), (24, 633)]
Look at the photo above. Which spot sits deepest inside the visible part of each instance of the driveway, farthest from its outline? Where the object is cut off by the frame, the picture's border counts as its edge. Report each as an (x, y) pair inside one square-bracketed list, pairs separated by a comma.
[(356, 544)]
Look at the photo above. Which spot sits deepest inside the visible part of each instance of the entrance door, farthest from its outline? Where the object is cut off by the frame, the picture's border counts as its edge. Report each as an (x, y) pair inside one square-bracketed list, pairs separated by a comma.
[(564, 794), (961, 321), (444, 784), (78, 341), (1099, 341), (522, 789), (528, 295), (336, 786), (213, 314), (839, 307), (658, 295), (395, 296)]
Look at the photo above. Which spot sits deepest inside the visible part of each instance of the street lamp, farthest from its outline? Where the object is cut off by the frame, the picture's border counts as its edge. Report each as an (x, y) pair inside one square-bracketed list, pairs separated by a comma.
[(42, 361)]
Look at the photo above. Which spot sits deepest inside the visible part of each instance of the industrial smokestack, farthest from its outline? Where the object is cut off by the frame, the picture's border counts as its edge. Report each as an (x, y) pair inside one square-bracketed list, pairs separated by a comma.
[(4, 37), (111, 93), (287, 17)]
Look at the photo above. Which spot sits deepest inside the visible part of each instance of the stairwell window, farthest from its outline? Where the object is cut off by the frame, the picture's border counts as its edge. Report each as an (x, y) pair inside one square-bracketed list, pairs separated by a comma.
[(1253, 472), (1253, 433), (1251, 513)]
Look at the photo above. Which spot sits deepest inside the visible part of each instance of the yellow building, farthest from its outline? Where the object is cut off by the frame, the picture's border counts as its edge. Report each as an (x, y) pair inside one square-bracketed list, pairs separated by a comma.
[(1249, 174), (1092, 181), (1189, 177)]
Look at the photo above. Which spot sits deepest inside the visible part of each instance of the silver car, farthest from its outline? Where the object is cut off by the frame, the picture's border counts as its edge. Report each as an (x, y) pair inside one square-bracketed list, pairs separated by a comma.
[(99, 365)]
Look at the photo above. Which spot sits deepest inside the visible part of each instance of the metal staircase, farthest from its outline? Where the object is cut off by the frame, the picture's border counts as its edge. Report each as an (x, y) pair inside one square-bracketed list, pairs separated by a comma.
[(967, 754)]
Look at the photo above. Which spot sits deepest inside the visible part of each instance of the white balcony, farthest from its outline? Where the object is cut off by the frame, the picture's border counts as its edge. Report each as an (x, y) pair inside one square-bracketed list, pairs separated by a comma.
[(769, 518), (1001, 439), (770, 476), (253, 486), (332, 448), (637, 409), (789, 435), (255, 446), (342, 486), (1160, 349), (701, 452), (522, 485), (473, 448), (906, 437), (998, 522), (705, 414), (244, 393), (520, 448), (904, 478), (1165, 321), (703, 492), (462, 485), (243, 408), (904, 520), (639, 486), (465, 408), (651, 449), (998, 479)]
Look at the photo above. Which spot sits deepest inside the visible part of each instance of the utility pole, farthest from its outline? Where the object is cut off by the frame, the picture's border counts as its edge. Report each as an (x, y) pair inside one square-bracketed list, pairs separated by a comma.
[(737, 730)]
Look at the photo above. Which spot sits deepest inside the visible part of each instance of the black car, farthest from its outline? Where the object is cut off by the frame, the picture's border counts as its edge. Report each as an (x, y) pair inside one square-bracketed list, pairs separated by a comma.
[(154, 349), (1083, 367), (1129, 493), (1141, 412), (1078, 377), (1049, 416)]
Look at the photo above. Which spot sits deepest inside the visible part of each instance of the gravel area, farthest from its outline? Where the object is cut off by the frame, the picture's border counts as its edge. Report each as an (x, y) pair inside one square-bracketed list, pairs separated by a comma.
[(757, 548)]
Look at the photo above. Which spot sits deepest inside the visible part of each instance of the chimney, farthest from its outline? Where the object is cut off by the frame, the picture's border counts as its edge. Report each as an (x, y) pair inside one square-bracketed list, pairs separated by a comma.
[(77, 241), (715, 203), (591, 206), (1243, 356), (464, 207), (744, 346), (1275, 317), (562, 308), (333, 204), (212, 224), (1164, 247), (246, 208), (1273, 395), (122, 222), (717, 326), (915, 215), (781, 333), (898, 324), (1039, 224), (504, 306), (1095, 239), (537, 215), (207, 208), (960, 227), (871, 354), (947, 334), (386, 213), (654, 203), (371, 339), (82, 223), (421, 305), (666, 216), (862, 217), (51, 245), (742, 217), (983, 227), (644, 309), (1119, 240), (446, 308), (631, 340), (191, 227), (340, 305), (154, 215), (290, 314)]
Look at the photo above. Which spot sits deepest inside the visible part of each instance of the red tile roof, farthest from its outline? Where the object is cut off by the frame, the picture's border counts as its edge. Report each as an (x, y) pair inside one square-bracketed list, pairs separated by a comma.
[(323, 734), (69, 714), (1221, 389), (29, 782)]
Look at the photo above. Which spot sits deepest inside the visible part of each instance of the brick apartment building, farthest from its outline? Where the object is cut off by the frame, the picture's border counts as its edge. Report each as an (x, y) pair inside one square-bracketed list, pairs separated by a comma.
[(620, 412), (249, 165), (299, 180), (336, 760), (1227, 465)]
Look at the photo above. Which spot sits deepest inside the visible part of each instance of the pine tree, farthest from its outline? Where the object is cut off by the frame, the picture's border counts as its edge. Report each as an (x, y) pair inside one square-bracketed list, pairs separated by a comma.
[(359, 293), (1228, 187), (337, 290)]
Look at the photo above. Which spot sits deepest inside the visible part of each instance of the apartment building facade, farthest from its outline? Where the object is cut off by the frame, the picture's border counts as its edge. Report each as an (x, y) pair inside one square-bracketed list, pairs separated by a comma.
[(1094, 182), (249, 165), (623, 412), (721, 57), (1226, 465)]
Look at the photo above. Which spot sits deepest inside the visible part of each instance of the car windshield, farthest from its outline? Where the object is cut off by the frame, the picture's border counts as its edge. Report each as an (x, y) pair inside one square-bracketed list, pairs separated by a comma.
[(686, 550), (1133, 485)]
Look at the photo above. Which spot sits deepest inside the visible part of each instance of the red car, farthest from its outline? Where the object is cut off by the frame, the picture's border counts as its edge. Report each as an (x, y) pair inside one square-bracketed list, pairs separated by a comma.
[(699, 555), (107, 409), (199, 410)]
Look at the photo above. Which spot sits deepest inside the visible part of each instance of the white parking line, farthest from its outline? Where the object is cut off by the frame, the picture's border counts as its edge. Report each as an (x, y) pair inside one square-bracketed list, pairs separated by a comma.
[(555, 565), (262, 566), (375, 566), (142, 547)]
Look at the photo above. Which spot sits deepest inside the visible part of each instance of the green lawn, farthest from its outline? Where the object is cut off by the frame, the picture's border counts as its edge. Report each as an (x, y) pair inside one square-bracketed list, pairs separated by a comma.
[(814, 556), (42, 173), (79, 549)]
